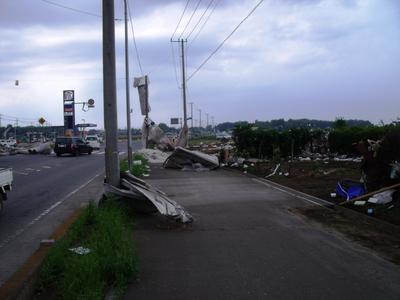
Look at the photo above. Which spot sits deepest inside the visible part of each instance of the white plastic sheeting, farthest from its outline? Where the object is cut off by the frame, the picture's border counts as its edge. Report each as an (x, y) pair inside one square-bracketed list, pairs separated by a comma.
[(142, 85)]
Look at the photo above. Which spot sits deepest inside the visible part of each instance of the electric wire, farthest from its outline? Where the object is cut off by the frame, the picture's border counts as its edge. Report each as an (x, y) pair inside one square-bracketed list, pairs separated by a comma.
[(205, 22), (174, 62), (180, 19), (190, 19), (201, 17), (134, 39), (12, 117), (71, 8), (224, 41)]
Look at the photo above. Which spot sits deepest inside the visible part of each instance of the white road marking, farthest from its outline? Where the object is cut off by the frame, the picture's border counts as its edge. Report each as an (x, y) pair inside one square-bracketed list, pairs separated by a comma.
[(121, 153), (44, 213), (287, 192), (99, 153), (46, 167), (29, 169), (21, 173)]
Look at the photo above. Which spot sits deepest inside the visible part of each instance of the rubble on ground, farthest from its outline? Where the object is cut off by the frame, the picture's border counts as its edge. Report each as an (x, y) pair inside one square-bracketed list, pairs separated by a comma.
[(146, 195), (26, 148), (182, 157), (154, 156)]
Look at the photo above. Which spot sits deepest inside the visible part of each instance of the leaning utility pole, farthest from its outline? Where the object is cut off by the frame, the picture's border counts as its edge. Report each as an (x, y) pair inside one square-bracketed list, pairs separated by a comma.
[(128, 104), (110, 95)]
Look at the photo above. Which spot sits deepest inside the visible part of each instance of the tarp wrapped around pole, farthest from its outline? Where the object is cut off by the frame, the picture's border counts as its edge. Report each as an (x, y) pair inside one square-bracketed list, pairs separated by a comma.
[(141, 83)]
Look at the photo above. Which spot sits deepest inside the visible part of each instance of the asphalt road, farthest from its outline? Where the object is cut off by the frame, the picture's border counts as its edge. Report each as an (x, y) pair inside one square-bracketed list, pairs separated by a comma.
[(247, 242), (41, 184)]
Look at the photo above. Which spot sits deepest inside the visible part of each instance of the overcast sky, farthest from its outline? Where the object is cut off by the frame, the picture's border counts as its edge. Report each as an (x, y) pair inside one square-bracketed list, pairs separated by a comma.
[(290, 59)]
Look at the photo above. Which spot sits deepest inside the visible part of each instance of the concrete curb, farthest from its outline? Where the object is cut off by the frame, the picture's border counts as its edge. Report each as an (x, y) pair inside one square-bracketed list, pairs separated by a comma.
[(382, 225), (21, 285)]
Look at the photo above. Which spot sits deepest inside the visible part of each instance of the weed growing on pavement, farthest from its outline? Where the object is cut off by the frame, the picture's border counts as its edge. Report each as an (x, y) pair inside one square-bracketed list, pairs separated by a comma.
[(110, 263), (137, 169)]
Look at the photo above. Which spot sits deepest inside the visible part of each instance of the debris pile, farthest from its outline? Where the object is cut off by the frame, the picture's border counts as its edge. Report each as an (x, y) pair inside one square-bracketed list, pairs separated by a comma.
[(182, 158), (36, 148), (145, 195), (154, 156)]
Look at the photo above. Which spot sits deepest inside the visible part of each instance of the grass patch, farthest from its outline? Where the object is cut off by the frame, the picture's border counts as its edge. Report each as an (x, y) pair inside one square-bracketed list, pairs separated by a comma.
[(137, 169), (205, 140), (111, 263)]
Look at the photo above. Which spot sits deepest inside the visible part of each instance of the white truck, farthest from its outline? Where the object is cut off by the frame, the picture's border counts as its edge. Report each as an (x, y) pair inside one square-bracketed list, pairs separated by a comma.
[(6, 178)]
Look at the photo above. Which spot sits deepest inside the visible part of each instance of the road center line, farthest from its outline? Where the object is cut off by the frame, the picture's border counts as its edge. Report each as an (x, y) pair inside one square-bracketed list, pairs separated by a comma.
[(287, 192), (21, 173), (44, 213)]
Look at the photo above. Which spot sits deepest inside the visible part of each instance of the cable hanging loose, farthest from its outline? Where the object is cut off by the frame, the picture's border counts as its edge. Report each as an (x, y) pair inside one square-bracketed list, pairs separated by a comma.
[(134, 39)]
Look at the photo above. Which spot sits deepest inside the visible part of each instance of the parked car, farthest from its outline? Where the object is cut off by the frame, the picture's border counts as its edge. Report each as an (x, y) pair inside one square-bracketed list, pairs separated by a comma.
[(93, 141), (73, 145), (6, 179)]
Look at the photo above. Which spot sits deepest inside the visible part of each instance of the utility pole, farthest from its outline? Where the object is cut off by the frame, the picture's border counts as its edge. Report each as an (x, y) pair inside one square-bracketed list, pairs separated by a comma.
[(128, 102), (199, 117), (15, 130), (207, 120), (191, 114), (183, 83), (147, 111), (110, 95)]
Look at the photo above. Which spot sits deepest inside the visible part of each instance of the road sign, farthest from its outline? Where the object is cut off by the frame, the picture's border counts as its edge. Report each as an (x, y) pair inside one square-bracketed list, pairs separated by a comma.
[(41, 121), (90, 103), (174, 121)]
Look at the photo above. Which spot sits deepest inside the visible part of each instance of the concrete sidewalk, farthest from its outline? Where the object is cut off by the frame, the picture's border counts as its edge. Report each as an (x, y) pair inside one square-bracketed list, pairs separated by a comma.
[(246, 244)]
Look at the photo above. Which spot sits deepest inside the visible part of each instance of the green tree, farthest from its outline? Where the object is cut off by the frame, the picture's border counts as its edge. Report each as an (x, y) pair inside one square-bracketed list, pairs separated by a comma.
[(339, 123)]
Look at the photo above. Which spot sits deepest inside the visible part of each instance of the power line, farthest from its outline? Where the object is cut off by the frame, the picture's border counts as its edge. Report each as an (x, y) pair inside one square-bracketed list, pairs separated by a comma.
[(205, 22), (11, 118), (134, 39), (201, 17), (174, 62), (223, 42), (72, 9), (190, 19), (180, 19)]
